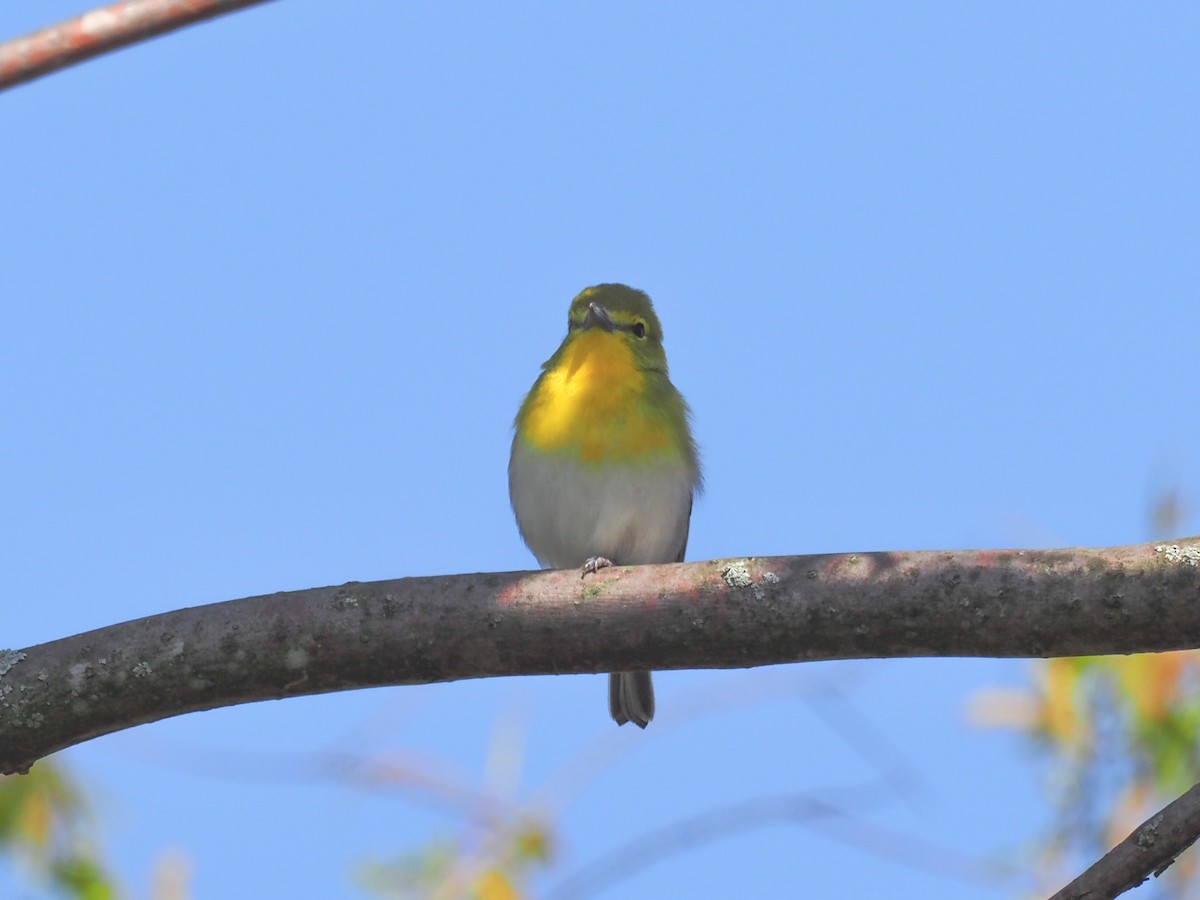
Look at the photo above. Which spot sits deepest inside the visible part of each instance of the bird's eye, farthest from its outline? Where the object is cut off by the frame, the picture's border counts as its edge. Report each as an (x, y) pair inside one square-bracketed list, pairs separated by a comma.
[(639, 329)]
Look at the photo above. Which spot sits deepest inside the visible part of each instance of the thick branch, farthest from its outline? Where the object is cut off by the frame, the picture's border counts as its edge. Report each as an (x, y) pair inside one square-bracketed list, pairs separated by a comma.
[(99, 31), (721, 614), (1149, 850)]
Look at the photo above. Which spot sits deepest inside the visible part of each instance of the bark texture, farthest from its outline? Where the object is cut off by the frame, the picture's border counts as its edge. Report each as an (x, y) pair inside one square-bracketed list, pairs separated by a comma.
[(717, 614)]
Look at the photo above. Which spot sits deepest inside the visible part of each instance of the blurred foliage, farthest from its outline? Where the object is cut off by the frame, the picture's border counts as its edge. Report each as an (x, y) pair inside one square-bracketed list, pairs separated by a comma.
[(44, 825), (1122, 737), (494, 865)]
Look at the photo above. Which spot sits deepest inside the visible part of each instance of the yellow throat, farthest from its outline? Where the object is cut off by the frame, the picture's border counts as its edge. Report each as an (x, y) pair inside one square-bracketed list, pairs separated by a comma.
[(593, 402)]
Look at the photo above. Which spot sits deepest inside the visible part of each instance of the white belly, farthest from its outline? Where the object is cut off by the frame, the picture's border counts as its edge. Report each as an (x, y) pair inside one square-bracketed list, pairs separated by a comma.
[(568, 512)]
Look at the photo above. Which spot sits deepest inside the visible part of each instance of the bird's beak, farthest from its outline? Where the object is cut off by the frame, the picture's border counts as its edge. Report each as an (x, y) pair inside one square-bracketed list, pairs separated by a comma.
[(598, 317)]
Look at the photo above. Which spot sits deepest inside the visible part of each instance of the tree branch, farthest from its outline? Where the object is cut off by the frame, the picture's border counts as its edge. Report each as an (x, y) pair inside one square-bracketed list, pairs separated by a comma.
[(719, 614), (1149, 850), (100, 31)]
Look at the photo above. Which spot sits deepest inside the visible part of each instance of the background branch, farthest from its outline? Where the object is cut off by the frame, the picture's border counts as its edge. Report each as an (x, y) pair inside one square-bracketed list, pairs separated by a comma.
[(831, 816), (1149, 850), (100, 31), (717, 614)]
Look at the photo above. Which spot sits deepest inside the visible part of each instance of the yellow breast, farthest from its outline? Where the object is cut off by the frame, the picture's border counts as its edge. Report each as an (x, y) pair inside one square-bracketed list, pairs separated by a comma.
[(593, 403)]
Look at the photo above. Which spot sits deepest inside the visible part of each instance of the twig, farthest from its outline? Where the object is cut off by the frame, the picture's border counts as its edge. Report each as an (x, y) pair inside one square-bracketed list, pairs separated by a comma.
[(823, 814), (100, 31), (1149, 850)]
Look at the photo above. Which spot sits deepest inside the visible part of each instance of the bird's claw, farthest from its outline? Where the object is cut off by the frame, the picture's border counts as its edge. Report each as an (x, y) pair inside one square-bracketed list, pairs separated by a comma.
[(594, 565)]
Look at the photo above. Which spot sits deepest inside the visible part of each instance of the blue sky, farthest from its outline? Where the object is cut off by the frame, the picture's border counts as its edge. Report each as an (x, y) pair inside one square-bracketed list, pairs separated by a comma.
[(275, 285)]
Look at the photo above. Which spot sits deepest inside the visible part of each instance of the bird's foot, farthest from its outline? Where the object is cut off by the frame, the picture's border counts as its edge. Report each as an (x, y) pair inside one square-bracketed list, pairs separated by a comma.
[(594, 565)]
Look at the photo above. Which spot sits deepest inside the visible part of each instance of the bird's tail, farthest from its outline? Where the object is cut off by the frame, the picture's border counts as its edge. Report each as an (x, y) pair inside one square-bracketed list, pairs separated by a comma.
[(631, 698)]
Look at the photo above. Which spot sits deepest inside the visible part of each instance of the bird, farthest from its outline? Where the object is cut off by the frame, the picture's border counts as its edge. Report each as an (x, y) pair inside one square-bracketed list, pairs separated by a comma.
[(604, 468)]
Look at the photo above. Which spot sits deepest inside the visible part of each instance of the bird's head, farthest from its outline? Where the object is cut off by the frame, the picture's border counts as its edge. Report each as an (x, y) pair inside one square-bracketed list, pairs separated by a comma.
[(623, 314)]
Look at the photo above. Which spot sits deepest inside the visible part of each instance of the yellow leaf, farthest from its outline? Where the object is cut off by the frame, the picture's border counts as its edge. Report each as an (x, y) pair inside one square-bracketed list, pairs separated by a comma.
[(494, 885), (36, 819), (1151, 681), (1058, 715)]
